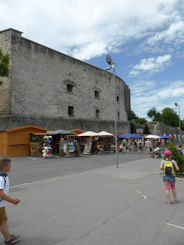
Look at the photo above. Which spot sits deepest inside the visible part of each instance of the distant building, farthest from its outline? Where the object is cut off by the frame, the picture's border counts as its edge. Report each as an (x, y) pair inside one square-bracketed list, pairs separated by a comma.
[(159, 128), (53, 90)]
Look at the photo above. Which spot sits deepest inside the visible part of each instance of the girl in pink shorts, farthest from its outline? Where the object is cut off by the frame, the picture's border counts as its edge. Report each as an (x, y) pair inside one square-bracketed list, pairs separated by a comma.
[(169, 177)]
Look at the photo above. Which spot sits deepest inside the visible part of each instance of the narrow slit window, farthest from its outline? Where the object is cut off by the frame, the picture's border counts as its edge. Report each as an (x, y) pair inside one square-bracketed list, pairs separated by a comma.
[(97, 114), (70, 111), (97, 94)]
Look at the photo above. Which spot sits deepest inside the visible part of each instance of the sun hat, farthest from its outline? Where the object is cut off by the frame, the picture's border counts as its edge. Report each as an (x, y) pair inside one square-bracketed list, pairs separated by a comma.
[(168, 153)]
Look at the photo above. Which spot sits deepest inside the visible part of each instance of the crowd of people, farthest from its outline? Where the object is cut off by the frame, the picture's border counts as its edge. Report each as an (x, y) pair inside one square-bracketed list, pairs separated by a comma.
[(132, 145)]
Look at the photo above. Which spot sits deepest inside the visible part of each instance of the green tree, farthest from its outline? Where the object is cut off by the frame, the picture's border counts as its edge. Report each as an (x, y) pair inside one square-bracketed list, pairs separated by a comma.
[(146, 129), (4, 65), (158, 117), (132, 116), (177, 157), (141, 120), (182, 124), (154, 115), (132, 121), (170, 117)]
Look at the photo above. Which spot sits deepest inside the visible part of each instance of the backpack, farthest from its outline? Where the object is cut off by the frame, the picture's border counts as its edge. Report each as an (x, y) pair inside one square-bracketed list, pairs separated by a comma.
[(168, 168), (4, 177)]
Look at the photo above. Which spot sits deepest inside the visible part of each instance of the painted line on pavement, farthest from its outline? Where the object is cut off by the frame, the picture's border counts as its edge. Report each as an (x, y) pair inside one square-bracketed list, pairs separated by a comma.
[(51, 179), (56, 178), (176, 226), (138, 191)]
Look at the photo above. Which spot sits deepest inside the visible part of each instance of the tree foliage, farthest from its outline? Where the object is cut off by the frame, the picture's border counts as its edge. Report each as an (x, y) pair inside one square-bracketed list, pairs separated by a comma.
[(154, 115), (177, 157), (146, 129), (170, 117), (132, 116), (4, 65), (141, 120), (133, 120), (167, 116)]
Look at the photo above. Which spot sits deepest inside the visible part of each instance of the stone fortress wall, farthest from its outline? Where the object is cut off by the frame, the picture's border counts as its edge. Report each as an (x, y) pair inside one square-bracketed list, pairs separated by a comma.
[(50, 89)]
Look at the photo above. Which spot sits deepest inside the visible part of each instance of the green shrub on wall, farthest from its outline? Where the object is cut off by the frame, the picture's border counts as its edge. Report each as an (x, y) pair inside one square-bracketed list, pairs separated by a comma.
[(4, 65), (177, 157)]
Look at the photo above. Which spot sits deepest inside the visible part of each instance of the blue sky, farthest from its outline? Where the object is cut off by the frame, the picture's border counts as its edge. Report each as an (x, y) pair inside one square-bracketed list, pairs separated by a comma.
[(145, 39)]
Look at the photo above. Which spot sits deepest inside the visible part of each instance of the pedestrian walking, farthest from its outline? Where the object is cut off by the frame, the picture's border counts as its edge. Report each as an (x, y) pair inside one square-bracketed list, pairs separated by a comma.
[(5, 166), (140, 146), (169, 167), (181, 150), (124, 143), (148, 146)]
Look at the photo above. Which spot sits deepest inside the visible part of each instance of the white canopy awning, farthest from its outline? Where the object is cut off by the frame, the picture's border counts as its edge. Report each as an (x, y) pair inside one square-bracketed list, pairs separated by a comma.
[(151, 136), (104, 133), (88, 133)]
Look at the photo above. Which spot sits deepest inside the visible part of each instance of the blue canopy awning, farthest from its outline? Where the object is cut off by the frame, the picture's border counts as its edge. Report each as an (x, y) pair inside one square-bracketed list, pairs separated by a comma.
[(130, 136), (125, 136), (136, 136), (164, 137)]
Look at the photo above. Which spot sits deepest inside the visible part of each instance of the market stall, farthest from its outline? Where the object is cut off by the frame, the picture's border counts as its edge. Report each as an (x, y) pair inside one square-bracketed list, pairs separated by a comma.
[(61, 144), (89, 143), (97, 142), (155, 139), (131, 142), (16, 141), (105, 142), (36, 143)]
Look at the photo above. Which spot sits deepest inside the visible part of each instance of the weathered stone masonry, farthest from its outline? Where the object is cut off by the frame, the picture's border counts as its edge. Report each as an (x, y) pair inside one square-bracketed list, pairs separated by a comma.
[(50, 89)]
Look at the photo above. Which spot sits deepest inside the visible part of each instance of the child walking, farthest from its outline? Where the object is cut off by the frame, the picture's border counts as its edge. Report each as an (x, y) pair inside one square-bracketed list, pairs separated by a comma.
[(169, 166), (5, 166)]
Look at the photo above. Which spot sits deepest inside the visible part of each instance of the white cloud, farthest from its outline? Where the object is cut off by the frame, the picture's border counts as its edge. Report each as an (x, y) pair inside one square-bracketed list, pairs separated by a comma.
[(152, 95), (142, 87), (174, 90), (151, 65), (173, 35), (86, 29)]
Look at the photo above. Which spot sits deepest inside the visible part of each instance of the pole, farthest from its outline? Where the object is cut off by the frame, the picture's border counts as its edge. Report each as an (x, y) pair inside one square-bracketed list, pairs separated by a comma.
[(115, 114), (179, 124)]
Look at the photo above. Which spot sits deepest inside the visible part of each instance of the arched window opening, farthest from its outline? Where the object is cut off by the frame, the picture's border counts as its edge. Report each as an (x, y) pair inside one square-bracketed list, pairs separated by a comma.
[(69, 87)]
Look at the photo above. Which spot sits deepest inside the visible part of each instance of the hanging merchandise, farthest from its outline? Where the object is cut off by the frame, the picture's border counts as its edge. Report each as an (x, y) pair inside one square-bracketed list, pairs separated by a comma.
[(47, 147), (71, 147), (87, 147)]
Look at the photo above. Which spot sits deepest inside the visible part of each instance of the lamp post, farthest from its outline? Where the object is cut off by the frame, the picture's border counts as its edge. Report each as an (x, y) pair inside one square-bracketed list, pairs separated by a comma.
[(177, 105), (112, 66)]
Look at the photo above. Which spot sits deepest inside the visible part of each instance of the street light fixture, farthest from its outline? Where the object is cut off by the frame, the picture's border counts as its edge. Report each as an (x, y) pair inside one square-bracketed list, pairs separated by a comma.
[(112, 66), (177, 105)]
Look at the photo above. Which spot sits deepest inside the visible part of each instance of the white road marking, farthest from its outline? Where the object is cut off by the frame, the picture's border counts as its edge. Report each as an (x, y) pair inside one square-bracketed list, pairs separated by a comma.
[(138, 191), (53, 179), (176, 226)]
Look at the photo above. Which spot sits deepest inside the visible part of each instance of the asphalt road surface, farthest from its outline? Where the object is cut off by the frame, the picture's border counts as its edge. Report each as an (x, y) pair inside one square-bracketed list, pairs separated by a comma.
[(28, 169), (95, 204), (88, 201)]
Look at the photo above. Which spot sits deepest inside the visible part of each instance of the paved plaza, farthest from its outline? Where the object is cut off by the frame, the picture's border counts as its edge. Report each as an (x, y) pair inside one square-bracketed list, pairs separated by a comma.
[(99, 206)]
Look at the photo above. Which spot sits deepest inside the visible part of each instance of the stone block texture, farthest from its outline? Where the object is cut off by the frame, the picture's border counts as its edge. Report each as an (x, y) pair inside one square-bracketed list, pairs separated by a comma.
[(47, 86)]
